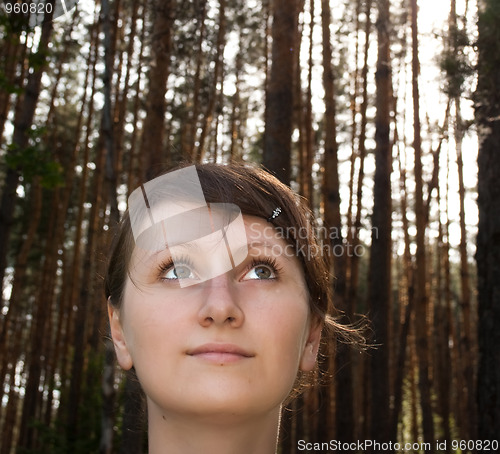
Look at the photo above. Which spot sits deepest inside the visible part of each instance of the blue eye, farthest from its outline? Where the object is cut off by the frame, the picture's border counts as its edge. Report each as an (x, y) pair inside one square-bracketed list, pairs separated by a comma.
[(262, 269), (182, 269), (179, 272)]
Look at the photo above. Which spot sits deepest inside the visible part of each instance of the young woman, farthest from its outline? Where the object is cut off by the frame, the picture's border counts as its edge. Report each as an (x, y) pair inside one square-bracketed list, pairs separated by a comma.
[(217, 352)]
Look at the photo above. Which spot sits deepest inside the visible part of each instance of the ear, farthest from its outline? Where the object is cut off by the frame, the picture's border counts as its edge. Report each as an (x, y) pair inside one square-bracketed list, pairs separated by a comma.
[(310, 351), (121, 349)]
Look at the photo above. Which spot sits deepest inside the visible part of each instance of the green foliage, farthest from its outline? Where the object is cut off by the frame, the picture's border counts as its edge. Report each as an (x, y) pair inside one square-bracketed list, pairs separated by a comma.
[(37, 60), (455, 64), (7, 86), (255, 149), (489, 50), (35, 161)]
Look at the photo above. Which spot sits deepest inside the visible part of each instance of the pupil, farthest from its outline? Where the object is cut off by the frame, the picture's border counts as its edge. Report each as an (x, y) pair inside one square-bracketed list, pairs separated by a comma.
[(263, 272)]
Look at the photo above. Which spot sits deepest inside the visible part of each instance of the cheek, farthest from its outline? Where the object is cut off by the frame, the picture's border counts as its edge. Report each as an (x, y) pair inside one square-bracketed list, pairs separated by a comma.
[(286, 344), (287, 328), (150, 325)]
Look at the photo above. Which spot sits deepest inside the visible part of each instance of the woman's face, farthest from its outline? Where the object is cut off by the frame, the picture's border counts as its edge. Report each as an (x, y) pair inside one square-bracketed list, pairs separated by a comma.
[(228, 346)]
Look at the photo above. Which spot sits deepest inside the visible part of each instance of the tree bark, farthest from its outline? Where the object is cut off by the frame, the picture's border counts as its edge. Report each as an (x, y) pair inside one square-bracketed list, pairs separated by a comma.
[(381, 248), (279, 96), (421, 296), (307, 152), (344, 403), (487, 110), (352, 287), (152, 151), (219, 64)]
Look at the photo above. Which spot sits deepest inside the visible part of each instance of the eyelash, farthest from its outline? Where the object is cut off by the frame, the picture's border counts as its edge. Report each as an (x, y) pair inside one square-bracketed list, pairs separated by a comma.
[(267, 261), (167, 265)]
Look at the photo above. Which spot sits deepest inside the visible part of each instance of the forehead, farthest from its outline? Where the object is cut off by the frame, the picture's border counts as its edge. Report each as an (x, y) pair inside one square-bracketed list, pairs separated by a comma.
[(194, 225), (253, 236)]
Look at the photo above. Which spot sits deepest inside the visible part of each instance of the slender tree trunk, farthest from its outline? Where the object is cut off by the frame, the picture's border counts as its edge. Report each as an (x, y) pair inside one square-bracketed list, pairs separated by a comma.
[(134, 166), (380, 256), (215, 134), (407, 304), (344, 404), (218, 74), (299, 115), (108, 137), (234, 149), (279, 97), (151, 151), (421, 297), (11, 44), (443, 363), (354, 232), (308, 148), (194, 104), (123, 98), (465, 292), (487, 105), (354, 131)]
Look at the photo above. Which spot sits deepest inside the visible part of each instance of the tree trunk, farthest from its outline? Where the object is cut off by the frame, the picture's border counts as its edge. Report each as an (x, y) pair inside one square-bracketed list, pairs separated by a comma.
[(152, 151), (219, 64), (108, 139), (421, 297), (134, 166), (487, 106), (381, 252), (194, 103), (279, 97), (307, 152), (11, 49), (353, 283), (468, 350), (234, 149), (344, 404), (124, 97)]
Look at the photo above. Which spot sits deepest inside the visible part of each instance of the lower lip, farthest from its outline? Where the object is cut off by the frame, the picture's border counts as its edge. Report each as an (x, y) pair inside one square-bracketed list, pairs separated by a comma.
[(220, 357)]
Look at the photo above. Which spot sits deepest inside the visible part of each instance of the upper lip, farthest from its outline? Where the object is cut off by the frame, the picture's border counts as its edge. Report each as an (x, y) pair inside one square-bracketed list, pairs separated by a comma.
[(219, 348)]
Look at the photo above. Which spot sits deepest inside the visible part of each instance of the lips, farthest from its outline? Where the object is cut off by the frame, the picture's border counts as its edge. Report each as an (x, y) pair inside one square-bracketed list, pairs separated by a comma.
[(220, 353)]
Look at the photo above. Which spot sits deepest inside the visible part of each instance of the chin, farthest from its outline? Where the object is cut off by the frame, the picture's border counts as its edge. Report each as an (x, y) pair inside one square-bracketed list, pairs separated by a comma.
[(231, 412), (220, 406)]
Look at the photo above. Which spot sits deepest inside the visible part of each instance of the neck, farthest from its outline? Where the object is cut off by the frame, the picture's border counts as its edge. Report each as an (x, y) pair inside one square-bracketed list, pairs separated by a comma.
[(174, 434)]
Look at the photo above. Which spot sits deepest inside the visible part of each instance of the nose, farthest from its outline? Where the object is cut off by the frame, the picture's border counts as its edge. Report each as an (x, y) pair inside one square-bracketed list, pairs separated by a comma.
[(220, 304)]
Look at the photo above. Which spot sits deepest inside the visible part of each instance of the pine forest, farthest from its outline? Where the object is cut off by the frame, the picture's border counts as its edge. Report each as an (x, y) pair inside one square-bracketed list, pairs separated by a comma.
[(383, 114)]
